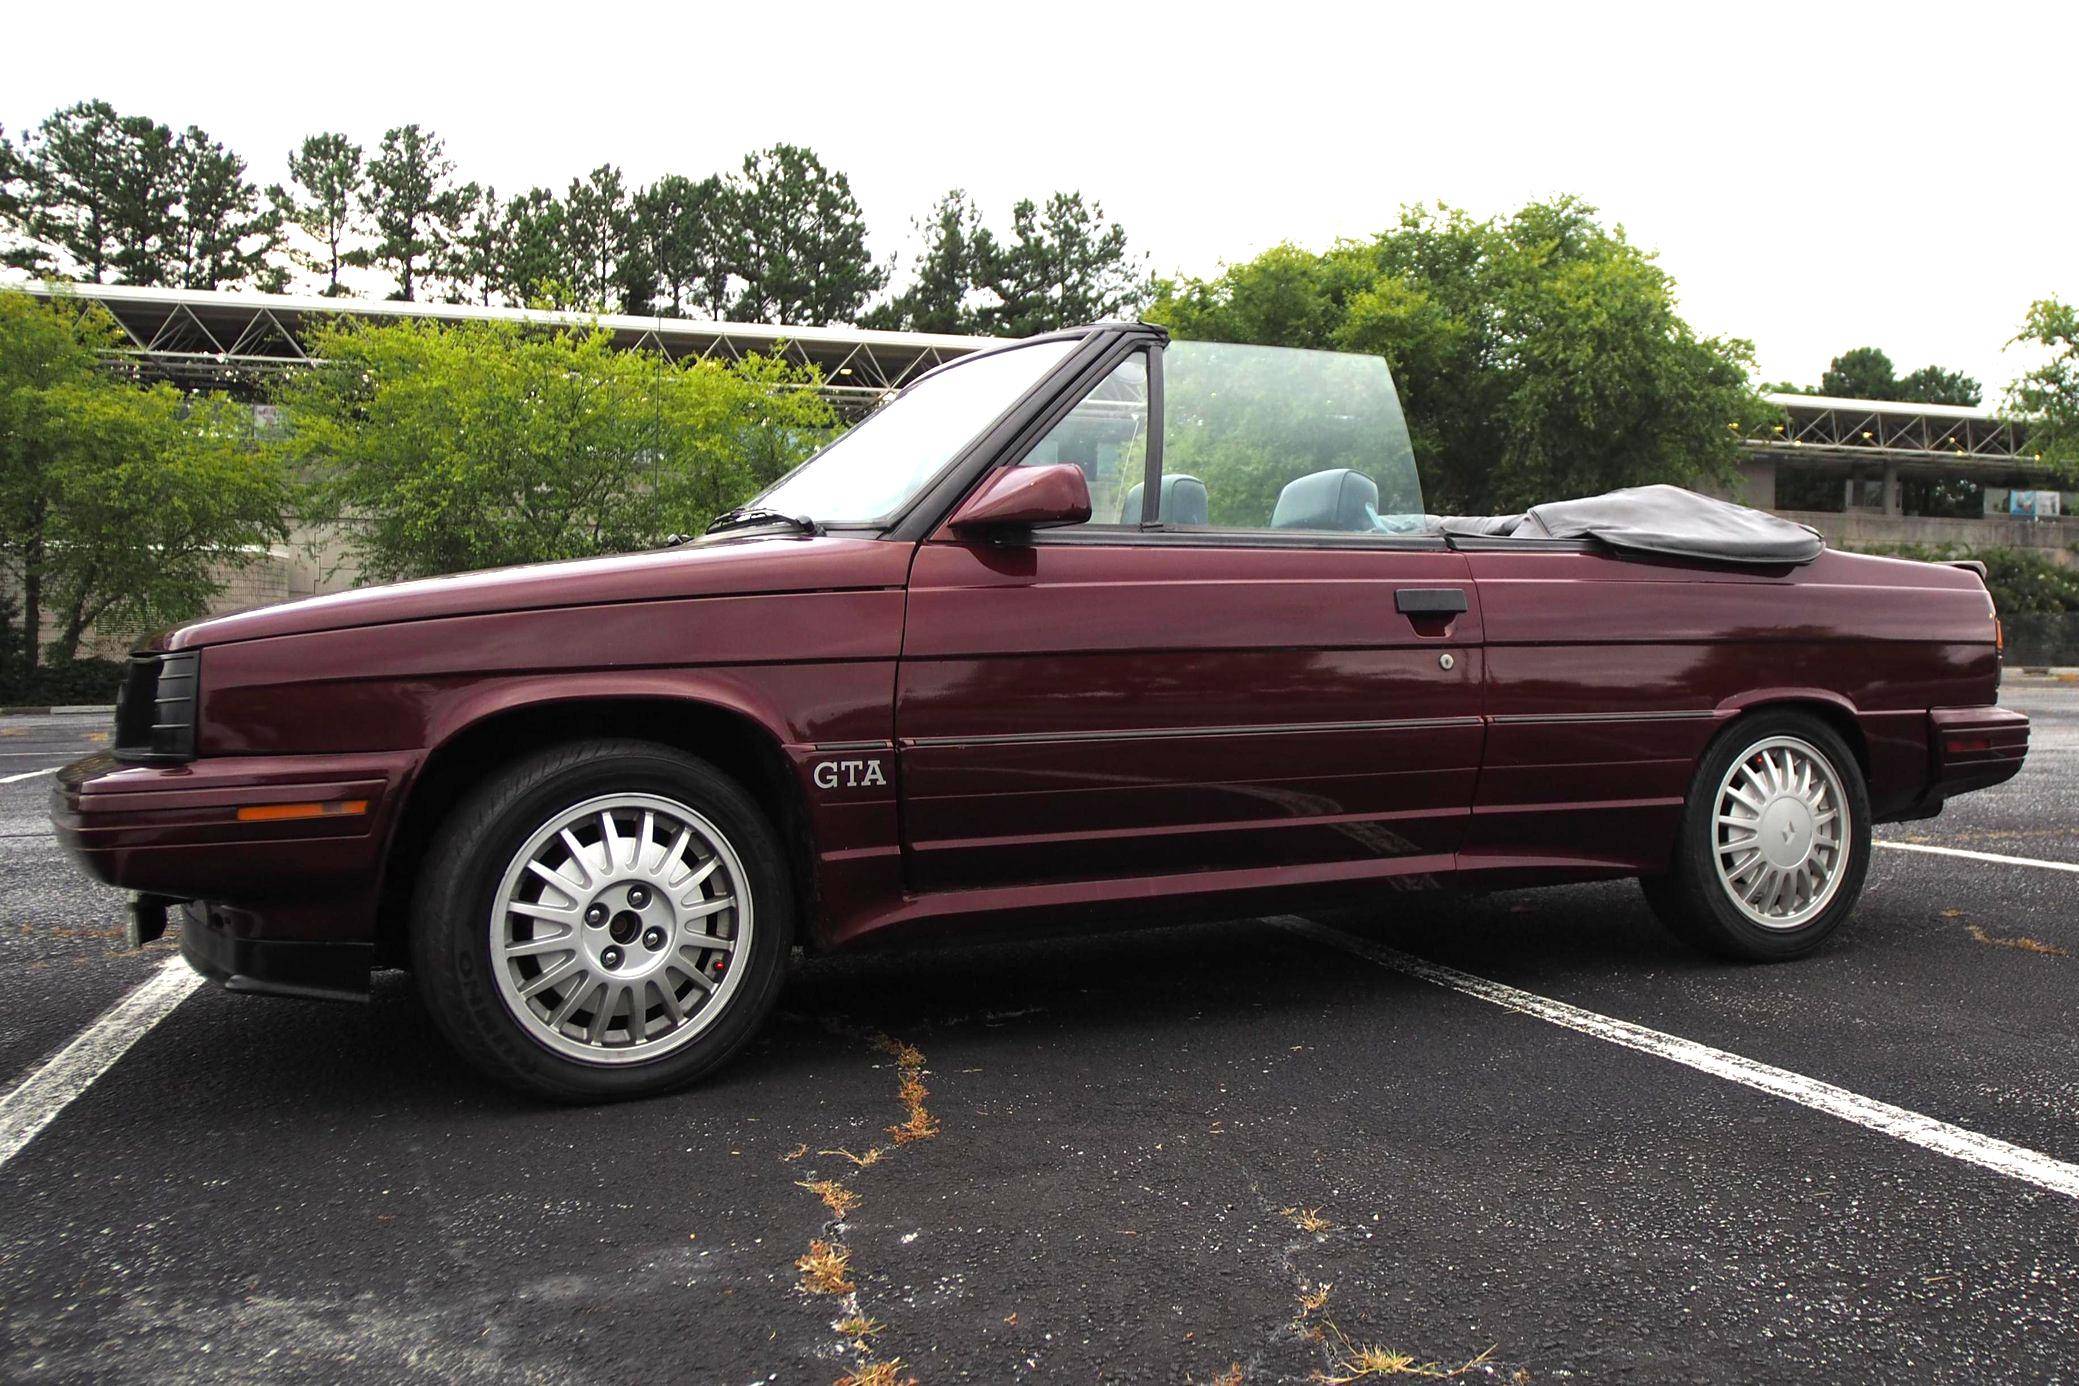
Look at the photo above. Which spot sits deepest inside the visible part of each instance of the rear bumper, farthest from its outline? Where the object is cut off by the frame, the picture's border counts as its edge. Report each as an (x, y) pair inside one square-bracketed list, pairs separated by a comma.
[(1972, 748), (176, 831)]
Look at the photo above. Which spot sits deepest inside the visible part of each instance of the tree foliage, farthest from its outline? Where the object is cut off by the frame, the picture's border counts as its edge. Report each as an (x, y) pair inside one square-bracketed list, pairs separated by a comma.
[(2022, 582), (327, 173), (223, 233), (797, 241), (1538, 356), (414, 206), (467, 446), (1062, 264), (2047, 397), (1867, 373), (683, 226), (120, 505)]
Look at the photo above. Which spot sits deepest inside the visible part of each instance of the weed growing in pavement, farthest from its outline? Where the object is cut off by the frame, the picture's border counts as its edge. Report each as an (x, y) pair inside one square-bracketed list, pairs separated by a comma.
[(1307, 1219), (888, 1373), (836, 1197), (1349, 1362), (824, 1270)]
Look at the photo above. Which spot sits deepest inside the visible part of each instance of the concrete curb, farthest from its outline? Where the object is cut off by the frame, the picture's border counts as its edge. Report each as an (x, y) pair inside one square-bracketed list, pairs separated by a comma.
[(62, 710)]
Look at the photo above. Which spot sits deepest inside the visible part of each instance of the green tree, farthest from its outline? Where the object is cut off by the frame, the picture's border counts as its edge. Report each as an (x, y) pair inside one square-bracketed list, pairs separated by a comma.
[(414, 205), (18, 250), (222, 234), (798, 241), (120, 505), (1860, 373), (2047, 397), (531, 269), (325, 203), (682, 226), (465, 446), (957, 265), (1867, 373), (605, 261), (1062, 264), (1538, 356), (1934, 385), (98, 194)]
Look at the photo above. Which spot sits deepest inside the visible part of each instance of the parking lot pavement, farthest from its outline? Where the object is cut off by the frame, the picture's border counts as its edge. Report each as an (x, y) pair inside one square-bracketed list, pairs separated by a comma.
[(1153, 1156)]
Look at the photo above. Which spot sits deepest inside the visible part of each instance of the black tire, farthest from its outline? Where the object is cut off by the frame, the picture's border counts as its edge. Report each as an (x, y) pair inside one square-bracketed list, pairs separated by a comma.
[(1698, 906), (451, 924)]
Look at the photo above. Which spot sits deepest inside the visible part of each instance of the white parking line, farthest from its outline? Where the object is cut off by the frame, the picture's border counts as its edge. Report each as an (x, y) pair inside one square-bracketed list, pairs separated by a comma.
[(1978, 856), (2014, 1161), (29, 774), (68, 1073)]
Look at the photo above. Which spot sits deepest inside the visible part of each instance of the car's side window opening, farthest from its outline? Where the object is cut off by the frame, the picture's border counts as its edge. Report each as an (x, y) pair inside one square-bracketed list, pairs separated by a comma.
[(1106, 435), (1283, 440)]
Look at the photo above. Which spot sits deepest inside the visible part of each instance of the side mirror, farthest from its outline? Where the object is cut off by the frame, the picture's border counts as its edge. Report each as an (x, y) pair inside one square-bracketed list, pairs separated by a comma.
[(1027, 498)]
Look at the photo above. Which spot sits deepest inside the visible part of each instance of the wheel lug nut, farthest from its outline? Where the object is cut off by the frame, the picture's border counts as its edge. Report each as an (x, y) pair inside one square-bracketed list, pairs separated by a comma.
[(638, 896), (595, 914), (611, 957), (653, 939)]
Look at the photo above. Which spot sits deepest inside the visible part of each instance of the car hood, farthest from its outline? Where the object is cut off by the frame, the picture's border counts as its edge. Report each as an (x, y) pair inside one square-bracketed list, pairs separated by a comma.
[(711, 568)]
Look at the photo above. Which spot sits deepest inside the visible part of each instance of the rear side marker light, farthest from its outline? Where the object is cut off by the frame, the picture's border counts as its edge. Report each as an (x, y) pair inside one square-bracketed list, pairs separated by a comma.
[(278, 813), (1971, 743)]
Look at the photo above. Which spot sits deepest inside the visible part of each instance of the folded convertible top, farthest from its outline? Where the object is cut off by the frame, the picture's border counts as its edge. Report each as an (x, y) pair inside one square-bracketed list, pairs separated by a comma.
[(1659, 520)]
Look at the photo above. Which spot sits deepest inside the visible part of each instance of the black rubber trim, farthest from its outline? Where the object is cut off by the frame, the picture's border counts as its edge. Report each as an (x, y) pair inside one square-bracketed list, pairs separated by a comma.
[(275, 967)]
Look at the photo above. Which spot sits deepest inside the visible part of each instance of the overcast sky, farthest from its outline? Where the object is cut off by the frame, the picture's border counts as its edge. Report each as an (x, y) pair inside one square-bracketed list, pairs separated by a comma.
[(1815, 177)]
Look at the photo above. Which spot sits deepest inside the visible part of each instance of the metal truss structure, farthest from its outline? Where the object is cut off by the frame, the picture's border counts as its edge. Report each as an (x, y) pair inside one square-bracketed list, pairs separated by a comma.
[(1842, 434), (237, 341)]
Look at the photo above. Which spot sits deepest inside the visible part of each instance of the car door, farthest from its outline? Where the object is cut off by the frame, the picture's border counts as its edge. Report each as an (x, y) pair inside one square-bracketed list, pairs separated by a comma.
[(1220, 671)]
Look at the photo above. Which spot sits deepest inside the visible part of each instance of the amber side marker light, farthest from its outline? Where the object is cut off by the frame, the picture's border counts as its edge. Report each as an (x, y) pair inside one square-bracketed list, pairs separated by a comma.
[(277, 813)]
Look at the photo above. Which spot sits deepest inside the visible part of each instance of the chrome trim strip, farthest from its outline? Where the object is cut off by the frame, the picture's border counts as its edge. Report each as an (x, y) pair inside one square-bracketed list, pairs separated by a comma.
[(1179, 733), (825, 747)]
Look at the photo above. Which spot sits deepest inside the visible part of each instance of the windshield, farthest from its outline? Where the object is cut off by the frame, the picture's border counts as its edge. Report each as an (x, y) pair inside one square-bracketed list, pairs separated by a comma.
[(881, 464)]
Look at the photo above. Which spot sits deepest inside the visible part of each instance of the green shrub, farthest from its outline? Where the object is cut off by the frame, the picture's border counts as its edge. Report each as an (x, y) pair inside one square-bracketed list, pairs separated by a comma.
[(2022, 582)]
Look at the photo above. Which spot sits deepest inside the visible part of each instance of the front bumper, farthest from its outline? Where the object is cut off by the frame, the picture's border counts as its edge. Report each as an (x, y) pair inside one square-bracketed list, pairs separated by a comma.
[(283, 892)]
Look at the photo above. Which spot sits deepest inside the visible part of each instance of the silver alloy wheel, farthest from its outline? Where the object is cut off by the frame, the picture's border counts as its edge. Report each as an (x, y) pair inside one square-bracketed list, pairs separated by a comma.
[(1781, 836), (620, 928)]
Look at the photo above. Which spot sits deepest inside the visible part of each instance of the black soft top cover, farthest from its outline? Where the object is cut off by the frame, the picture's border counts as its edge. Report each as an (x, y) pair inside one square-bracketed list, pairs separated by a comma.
[(1658, 520)]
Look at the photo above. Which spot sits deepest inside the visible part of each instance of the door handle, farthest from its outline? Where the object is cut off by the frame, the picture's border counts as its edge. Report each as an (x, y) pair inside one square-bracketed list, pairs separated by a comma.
[(1429, 601)]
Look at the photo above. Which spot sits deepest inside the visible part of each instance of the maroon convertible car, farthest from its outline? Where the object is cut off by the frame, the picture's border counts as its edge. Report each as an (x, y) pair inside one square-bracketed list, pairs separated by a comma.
[(1090, 627)]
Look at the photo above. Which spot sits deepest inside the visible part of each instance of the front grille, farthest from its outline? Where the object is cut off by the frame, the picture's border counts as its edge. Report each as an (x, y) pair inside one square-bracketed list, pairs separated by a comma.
[(155, 712)]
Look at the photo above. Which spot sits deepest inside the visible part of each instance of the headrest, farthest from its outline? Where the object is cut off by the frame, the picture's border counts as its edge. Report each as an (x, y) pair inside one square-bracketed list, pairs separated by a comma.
[(1184, 502), (1334, 500)]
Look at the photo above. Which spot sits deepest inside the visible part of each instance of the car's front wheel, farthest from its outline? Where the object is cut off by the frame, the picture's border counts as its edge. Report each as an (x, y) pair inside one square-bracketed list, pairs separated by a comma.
[(605, 919), (1774, 841)]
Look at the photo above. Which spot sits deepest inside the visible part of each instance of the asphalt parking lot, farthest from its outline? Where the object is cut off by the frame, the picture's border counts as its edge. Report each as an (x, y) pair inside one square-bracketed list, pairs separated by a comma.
[(1244, 1151)]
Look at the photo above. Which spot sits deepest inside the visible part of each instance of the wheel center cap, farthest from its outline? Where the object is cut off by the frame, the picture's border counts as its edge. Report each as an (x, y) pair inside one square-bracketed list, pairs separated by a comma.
[(1786, 833), (623, 927)]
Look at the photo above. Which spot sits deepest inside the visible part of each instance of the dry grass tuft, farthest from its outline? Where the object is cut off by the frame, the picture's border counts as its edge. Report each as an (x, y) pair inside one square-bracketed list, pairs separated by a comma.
[(836, 1197), (1353, 1363), (871, 1157), (1313, 1299), (796, 1153), (1307, 1219), (920, 1124), (2021, 942), (888, 1373), (858, 1328), (824, 1269), (1231, 1377)]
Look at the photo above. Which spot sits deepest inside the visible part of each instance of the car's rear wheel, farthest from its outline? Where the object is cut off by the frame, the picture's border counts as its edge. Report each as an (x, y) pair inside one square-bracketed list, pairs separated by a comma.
[(606, 919), (1774, 841)]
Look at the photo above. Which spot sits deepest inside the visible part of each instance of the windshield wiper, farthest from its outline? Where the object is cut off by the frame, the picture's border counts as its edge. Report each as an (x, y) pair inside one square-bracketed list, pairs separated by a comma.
[(745, 516)]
